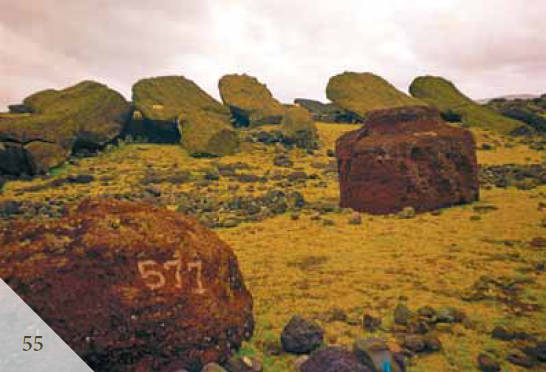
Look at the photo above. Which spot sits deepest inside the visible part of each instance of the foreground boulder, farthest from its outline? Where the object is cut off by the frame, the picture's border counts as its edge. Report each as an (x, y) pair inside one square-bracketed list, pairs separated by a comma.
[(174, 109), (326, 112), (406, 157), (130, 287), (455, 106), (86, 115), (361, 93), (249, 101), (299, 129)]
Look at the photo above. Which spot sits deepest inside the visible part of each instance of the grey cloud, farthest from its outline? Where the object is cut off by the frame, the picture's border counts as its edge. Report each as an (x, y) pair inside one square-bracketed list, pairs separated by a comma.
[(486, 47)]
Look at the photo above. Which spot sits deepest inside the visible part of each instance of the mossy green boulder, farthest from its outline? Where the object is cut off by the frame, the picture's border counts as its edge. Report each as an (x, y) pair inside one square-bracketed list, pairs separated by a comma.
[(176, 105), (455, 106), (361, 93), (299, 129), (88, 114), (207, 132), (249, 101)]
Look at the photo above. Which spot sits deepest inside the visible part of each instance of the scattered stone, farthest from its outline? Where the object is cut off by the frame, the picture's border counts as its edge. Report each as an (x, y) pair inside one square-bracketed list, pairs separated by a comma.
[(76, 274), (355, 219), (333, 359), (406, 213), (374, 352), (402, 315), (488, 364), (414, 343), (80, 178), (519, 358), (301, 336), (154, 191), (243, 364), (449, 315), (330, 153), (538, 351), (213, 367), (10, 208), (328, 222), (283, 161), (370, 323)]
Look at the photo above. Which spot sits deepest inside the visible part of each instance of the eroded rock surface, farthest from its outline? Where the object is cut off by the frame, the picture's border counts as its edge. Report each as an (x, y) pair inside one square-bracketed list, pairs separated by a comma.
[(406, 157), (130, 286), (250, 102)]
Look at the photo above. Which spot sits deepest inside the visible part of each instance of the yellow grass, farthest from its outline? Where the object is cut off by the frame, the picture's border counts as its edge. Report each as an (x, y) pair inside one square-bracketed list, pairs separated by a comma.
[(306, 268)]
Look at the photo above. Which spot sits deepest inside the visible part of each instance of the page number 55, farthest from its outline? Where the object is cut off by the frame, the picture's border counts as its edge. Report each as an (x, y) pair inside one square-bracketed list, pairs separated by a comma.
[(27, 343)]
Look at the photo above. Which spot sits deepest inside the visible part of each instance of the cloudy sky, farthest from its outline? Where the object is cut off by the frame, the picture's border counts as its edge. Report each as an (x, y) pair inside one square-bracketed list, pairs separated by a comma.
[(488, 48)]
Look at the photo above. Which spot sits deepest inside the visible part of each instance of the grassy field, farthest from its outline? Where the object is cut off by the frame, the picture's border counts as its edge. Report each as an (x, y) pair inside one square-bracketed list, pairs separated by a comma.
[(301, 266)]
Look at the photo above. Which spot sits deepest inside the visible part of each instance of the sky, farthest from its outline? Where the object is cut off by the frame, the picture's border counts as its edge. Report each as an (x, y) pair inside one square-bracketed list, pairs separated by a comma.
[(487, 48)]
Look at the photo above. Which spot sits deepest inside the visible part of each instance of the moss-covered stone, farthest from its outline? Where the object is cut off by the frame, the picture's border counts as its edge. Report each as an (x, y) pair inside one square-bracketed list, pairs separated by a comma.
[(86, 114), (176, 105), (298, 128), (442, 94), (207, 133), (361, 93), (250, 102)]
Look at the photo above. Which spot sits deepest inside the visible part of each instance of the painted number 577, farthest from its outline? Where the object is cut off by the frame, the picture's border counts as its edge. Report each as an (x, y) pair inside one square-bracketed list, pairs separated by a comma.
[(153, 273)]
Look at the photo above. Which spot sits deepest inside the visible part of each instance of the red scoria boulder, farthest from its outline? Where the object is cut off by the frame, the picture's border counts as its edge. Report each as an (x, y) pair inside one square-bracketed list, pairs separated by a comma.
[(130, 287), (406, 157)]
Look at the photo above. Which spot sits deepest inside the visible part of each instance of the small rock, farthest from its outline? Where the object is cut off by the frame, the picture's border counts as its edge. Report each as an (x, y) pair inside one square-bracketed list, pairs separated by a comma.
[(328, 222), (519, 358), (333, 359), (330, 153), (370, 323), (213, 367), (415, 343), (355, 219), (537, 352), (406, 213), (81, 178), (402, 314), (449, 315), (295, 216), (10, 208), (301, 336), (373, 353), (243, 364), (432, 343), (283, 161), (487, 364), (154, 191), (299, 361)]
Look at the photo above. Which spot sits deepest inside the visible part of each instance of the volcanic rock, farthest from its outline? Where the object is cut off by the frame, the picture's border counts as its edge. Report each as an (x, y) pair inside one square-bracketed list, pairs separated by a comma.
[(333, 359), (86, 115), (361, 93), (455, 106), (406, 157), (176, 109), (250, 102), (298, 128), (120, 281), (301, 336), (326, 112)]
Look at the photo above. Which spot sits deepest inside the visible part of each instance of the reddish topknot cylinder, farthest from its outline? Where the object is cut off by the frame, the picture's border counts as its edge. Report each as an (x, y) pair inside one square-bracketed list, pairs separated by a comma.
[(406, 157)]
